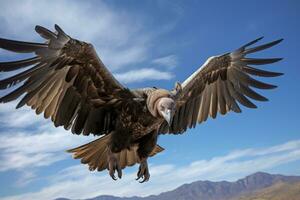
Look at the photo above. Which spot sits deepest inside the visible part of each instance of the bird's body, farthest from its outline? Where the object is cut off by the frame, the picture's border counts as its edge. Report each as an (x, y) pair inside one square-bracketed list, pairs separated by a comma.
[(69, 84)]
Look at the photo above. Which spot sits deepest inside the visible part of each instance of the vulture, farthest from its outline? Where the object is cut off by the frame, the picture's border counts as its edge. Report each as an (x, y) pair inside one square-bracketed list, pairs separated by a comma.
[(67, 82)]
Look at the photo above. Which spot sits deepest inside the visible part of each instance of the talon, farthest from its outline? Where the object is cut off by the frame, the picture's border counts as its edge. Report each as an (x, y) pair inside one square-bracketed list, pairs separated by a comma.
[(119, 170), (143, 172), (113, 166), (146, 177), (113, 176)]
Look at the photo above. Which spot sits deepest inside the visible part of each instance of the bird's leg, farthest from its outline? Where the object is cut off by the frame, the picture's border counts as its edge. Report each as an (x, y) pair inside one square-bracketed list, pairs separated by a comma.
[(143, 171), (119, 140), (146, 145), (113, 164)]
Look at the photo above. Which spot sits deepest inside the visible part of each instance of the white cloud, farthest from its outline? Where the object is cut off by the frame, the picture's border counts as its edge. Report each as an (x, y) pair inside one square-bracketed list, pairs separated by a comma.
[(170, 61), (143, 74), (38, 147), (106, 29), (25, 177), (121, 39), (118, 59), (29, 141), (77, 182), (102, 25), (21, 118)]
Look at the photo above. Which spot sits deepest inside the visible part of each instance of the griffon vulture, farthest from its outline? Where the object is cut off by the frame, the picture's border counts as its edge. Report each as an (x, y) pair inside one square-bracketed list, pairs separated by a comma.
[(67, 82)]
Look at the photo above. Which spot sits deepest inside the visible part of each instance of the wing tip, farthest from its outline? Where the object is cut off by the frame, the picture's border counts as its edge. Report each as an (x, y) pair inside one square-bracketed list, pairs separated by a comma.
[(253, 106), (56, 26), (278, 59), (258, 48), (260, 38), (70, 150), (61, 32), (272, 87), (279, 40), (256, 40), (279, 74), (275, 42), (265, 99), (253, 41), (58, 29), (37, 28)]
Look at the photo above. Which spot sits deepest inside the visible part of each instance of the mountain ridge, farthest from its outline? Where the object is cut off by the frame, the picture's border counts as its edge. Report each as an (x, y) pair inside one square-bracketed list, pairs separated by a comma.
[(209, 190), (278, 191)]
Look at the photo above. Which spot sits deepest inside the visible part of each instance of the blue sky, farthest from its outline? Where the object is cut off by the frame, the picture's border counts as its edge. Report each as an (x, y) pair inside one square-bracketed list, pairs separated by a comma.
[(155, 43)]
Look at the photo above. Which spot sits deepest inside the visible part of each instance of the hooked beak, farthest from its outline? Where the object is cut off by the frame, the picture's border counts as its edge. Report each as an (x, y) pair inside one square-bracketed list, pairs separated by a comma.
[(167, 114)]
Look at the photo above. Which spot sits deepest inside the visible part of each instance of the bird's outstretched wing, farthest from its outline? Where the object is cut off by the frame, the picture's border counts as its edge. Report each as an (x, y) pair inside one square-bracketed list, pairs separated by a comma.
[(66, 80), (218, 85)]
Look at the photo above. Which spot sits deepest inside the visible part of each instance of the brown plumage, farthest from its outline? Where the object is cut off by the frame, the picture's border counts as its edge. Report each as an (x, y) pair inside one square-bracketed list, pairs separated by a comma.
[(68, 82)]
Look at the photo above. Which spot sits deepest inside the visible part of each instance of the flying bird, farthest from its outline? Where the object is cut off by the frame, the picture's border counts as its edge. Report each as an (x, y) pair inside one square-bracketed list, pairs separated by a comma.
[(68, 82)]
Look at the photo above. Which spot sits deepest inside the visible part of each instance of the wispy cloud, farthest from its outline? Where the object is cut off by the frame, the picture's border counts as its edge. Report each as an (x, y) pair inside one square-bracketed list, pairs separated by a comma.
[(144, 74), (25, 177), (170, 61), (18, 119), (26, 150), (27, 142), (121, 39), (78, 182)]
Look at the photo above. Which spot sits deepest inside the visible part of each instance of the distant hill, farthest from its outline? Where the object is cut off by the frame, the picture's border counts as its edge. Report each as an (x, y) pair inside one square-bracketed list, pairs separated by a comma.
[(258, 186), (278, 191)]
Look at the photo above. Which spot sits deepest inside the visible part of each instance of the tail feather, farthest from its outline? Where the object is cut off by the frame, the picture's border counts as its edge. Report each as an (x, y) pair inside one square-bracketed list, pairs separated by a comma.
[(94, 154)]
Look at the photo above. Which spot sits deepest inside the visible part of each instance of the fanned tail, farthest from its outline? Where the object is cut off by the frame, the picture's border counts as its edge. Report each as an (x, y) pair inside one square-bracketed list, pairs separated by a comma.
[(95, 154)]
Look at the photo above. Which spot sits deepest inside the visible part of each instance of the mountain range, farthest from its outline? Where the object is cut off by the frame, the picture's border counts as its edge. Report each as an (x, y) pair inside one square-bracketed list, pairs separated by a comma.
[(258, 186)]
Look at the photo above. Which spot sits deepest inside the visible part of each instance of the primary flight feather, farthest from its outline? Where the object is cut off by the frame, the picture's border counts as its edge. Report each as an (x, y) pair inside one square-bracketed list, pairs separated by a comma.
[(67, 82)]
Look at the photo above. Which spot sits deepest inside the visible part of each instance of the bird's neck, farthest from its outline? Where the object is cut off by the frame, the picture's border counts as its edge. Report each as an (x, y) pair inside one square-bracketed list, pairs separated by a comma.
[(153, 100)]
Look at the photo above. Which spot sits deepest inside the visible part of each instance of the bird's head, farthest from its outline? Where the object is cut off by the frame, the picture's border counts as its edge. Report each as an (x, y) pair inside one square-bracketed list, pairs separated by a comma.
[(166, 108), (161, 104)]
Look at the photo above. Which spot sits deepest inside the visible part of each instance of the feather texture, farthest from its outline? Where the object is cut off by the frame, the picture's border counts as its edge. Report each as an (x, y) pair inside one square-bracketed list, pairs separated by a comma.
[(223, 83), (63, 81)]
